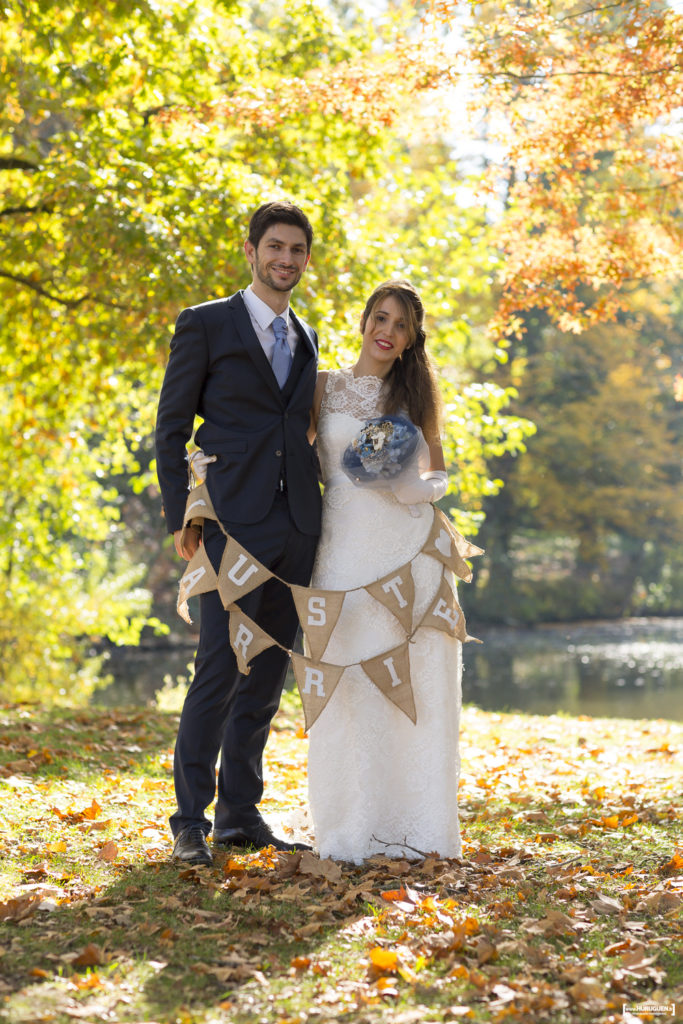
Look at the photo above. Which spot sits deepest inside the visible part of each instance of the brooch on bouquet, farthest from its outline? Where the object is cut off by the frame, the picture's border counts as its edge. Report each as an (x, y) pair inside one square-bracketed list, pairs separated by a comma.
[(382, 450)]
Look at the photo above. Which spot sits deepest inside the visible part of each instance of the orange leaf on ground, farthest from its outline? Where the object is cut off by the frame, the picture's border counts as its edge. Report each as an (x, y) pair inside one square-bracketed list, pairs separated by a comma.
[(383, 959), (394, 894), (301, 963), (91, 956), (109, 851)]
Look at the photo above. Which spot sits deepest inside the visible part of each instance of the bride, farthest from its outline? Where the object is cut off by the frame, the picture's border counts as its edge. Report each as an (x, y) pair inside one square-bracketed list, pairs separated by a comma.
[(378, 783)]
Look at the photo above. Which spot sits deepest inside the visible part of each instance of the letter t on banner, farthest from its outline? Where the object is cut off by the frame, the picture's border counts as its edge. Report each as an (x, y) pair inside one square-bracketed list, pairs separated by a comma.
[(317, 682)]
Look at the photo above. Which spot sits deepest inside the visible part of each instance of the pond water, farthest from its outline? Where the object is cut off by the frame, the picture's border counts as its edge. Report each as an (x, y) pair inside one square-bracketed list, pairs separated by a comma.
[(627, 669)]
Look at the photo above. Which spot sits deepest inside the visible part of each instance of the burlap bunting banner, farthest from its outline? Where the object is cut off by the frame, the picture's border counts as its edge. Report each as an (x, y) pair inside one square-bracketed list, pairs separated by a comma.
[(390, 672), (239, 573), (317, 682), (464, 547), (247, 639), (318, 611), (441, 544), (445, 613), (199, 578), (396, 591)]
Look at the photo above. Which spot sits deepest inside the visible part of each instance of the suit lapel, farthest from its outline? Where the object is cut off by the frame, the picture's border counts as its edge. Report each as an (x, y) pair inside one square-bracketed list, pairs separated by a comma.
[(247, 335)]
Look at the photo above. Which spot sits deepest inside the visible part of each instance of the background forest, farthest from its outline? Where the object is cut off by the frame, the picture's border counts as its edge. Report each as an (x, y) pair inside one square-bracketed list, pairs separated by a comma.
[(519, 163)]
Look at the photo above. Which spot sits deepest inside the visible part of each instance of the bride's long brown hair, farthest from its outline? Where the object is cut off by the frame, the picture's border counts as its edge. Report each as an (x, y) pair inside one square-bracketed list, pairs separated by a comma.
[(411, 384)]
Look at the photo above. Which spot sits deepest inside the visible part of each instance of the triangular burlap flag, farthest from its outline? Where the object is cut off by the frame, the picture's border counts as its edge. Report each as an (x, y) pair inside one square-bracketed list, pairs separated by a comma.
[(246, 638), (199, 577), (441, 544), (317, 682), (445, 613), (390, 672), (318, 611), (397, 593), (199, 505), (239, 573), (464, 547)]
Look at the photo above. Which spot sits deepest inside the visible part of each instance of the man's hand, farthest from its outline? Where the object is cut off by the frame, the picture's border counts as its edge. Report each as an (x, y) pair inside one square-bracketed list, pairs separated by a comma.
[(192, 542)]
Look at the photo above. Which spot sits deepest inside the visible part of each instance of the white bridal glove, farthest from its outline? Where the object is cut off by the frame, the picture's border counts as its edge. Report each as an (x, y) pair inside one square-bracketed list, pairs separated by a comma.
[(198, 462), (427, 487)]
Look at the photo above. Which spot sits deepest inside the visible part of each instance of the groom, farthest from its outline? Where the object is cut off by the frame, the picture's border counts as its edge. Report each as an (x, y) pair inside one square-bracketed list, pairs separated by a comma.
[(247, 366)]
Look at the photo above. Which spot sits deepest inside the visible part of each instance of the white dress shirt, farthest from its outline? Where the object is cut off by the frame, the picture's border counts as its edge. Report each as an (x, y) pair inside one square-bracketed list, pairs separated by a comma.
[(262, 317)]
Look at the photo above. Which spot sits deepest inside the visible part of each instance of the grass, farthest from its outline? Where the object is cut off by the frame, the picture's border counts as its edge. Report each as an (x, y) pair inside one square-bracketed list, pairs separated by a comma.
[(566, 904)]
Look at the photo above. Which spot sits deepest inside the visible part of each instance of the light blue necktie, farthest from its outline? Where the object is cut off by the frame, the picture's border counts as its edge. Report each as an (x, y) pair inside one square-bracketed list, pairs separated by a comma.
[(282, 356)]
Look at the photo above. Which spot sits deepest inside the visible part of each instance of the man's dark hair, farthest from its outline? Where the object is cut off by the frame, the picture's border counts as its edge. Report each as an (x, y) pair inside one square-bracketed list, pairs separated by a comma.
[(280, 211)]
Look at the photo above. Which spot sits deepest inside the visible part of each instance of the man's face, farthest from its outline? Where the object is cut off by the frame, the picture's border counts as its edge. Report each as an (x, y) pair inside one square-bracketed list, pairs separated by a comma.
[(280, 258)]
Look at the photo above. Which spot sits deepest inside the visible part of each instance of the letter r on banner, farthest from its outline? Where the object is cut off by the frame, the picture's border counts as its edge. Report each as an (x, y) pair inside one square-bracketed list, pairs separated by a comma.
[(243, 638), (314, 677)]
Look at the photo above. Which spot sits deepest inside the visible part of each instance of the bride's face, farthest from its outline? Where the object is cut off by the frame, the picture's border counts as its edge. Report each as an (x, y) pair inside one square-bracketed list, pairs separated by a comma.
[(385, 335)]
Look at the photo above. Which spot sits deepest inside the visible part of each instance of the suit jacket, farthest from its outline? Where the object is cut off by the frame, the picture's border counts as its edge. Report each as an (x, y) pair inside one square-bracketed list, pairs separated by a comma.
[(218, 370)]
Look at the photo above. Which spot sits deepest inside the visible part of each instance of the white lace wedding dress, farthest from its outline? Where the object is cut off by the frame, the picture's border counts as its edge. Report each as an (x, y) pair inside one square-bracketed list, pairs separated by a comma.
[(377, 782)]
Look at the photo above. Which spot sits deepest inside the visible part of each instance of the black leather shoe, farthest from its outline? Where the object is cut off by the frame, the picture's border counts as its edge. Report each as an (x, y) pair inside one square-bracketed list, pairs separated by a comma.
[(258, 835), (191, 846)]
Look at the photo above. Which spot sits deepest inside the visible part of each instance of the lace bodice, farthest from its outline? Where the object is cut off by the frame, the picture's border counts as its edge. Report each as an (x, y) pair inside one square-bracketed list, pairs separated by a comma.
[(356, 396)]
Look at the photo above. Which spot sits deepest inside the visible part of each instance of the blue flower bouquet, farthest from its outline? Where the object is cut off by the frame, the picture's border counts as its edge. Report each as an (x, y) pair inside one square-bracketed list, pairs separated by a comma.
[(383, 450)]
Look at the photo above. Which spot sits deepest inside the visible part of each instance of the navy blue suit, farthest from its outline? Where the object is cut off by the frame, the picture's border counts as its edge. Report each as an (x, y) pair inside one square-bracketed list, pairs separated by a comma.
[(264, 487)]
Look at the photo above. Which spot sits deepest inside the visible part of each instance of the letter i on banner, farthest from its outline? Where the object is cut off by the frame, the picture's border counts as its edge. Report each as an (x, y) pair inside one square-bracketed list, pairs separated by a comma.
[(318, 611), (199, 578), (390, 672), (317, 682), (246, 638), (445, 613), (397, 593), (239, 573)]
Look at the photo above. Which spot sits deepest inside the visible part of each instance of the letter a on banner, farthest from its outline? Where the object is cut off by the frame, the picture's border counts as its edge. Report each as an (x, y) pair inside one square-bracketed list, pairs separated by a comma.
[(199, 577), (397, 593), (246, 638), (445, 613), (318, 611), (390, 672), (239, 573), (317, 682)]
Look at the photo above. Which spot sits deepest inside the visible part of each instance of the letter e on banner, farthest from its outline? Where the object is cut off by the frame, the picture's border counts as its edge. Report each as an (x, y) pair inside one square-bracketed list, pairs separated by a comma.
[(445, 613)]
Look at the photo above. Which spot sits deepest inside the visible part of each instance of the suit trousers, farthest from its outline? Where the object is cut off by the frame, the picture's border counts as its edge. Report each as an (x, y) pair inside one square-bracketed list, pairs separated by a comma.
[(226, 711)]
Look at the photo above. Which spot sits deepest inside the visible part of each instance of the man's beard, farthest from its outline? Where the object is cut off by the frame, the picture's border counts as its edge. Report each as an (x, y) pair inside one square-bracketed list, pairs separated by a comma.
[(264, 277)]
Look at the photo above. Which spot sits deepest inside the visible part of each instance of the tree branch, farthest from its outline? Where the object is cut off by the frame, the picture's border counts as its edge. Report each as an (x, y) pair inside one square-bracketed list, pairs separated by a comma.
[(19, 279), (15, 163), (38, 208)]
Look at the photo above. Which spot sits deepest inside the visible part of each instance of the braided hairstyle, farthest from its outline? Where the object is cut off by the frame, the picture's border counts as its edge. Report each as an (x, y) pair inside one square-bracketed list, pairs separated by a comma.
[(411, 384)]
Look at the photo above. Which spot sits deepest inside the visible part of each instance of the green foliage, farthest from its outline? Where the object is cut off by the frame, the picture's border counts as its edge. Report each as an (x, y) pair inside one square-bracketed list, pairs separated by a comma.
[(136, 139)]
